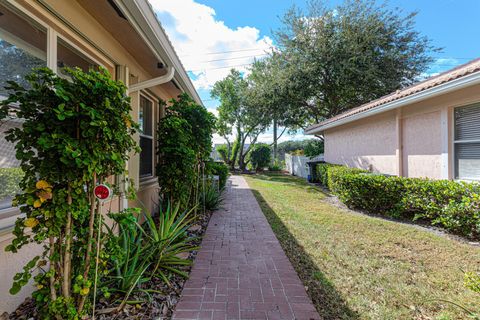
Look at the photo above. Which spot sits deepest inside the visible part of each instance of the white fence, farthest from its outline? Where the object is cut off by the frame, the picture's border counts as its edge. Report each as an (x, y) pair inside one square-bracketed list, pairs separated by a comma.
[(297, 165)]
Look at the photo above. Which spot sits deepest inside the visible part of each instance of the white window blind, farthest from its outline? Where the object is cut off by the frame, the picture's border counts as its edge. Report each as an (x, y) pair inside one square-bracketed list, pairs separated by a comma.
[(467, 142)]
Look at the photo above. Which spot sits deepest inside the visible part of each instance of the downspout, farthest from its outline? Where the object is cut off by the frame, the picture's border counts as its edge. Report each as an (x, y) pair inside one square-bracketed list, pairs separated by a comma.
[(124, 75), (399, 129)]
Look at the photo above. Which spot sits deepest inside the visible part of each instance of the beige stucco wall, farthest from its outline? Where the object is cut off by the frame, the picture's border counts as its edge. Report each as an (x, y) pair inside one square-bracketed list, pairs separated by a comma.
[(369, 143), (147, 193), (422, 145), (415, 140)]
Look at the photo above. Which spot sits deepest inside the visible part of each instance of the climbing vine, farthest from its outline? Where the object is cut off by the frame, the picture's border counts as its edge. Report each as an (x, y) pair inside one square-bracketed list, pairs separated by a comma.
[(77, 131)]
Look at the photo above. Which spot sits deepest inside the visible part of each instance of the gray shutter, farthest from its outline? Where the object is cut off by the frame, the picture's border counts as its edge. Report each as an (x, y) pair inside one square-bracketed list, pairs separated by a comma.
[(467, 142)]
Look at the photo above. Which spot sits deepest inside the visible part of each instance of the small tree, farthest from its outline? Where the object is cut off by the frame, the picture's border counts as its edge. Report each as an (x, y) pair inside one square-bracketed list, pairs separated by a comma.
[(76, 132), (260, 156), (184, 144)]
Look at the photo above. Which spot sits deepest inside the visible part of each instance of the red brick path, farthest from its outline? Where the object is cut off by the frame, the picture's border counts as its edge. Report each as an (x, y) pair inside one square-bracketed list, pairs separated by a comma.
[(241, 272)]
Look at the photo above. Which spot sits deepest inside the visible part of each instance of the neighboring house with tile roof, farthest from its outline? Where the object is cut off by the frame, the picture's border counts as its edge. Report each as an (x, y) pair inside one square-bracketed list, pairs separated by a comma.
[(430, 129)]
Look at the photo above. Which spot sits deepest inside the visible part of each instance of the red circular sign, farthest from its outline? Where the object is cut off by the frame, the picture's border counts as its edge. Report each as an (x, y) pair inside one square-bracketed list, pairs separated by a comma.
[(102, 192)]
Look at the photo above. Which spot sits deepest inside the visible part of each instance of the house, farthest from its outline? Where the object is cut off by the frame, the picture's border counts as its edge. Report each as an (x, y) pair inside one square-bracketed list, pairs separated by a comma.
[(430, 129), (122, 36)]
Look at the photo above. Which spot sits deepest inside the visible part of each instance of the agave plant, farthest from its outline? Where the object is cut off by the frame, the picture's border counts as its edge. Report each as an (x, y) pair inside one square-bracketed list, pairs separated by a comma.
[(129, 255), (168, 239), (138, 252), (212, 198)]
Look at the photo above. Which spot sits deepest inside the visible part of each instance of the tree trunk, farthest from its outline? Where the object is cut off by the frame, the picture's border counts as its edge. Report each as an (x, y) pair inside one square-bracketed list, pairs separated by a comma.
[(68, 242), (236, 148), (275, 138)]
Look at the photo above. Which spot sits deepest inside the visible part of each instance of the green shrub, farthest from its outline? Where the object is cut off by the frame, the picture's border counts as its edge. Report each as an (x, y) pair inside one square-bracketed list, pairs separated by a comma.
[(452, 205), (10, 181), (260, 156), (211, 198), (277, 165), (224, 153), (313, 148), (218, 169), (184, 141)]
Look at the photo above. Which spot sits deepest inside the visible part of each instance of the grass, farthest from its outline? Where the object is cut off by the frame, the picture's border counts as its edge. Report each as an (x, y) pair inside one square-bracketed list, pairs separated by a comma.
[(361, 267)]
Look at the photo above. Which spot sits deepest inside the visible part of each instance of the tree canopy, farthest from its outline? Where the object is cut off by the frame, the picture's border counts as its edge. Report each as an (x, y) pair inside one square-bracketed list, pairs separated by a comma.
[(335, 59)]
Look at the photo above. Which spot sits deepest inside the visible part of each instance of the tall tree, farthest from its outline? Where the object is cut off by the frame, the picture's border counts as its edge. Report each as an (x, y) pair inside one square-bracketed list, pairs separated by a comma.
[(337, 59), (238, 115), (269, 90)]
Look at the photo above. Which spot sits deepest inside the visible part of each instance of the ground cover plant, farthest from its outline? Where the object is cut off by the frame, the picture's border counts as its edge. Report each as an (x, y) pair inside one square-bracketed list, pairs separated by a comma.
[(361, 267)]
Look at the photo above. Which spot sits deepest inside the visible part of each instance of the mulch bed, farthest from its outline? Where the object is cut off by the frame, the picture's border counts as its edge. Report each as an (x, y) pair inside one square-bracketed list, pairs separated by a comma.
[(159, 305)]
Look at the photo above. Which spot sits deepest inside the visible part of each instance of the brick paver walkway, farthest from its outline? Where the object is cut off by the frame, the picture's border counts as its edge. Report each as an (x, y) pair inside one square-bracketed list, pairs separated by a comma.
[(241, 271)]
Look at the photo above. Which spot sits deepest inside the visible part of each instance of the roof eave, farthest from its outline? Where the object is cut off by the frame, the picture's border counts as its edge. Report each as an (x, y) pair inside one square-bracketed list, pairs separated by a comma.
[(447, 87), (143, 19)]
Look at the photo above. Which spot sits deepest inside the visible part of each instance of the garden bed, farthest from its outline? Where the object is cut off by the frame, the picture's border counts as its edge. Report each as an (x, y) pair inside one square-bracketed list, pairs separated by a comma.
[(159, 305)]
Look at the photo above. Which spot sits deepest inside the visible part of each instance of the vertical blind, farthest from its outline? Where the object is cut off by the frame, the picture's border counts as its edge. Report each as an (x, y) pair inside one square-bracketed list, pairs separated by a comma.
[(467, 142)]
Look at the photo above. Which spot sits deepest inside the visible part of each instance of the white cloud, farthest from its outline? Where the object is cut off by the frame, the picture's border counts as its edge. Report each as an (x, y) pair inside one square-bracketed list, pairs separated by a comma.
[(195, 32)]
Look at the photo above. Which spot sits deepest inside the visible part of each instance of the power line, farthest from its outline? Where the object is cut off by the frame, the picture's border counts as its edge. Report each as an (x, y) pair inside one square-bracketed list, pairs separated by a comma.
[(207, 69), (235, 58), (220, 52)]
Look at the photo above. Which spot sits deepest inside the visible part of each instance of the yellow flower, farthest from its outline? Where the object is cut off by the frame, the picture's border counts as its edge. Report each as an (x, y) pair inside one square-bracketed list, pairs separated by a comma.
[(39, 286), (127, 121), (30, 222), (37, 203), (44, 195), (42, 184), (84, 291)]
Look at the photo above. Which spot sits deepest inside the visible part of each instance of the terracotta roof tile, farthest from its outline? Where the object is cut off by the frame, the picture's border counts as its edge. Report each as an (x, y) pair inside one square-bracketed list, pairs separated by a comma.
[(447, 76)]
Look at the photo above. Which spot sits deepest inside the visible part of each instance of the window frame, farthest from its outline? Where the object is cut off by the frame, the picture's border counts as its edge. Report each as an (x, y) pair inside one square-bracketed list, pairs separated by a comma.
[(144, 178), (456, 142), (9, 215)]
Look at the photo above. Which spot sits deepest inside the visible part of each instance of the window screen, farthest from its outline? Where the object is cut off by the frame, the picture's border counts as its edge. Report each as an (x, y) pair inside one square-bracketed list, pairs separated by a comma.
[(145, 119), (467, 142)]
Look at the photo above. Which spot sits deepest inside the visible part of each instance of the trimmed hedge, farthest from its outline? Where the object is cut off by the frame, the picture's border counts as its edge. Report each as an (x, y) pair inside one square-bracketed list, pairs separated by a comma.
[(453, 205), (218, 169)]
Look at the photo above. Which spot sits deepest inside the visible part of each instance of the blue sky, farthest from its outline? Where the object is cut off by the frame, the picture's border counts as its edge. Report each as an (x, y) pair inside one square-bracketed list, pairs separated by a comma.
[(210, 36)]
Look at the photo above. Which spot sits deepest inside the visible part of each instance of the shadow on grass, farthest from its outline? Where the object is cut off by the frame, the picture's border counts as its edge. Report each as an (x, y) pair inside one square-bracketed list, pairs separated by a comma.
[(327, 300)]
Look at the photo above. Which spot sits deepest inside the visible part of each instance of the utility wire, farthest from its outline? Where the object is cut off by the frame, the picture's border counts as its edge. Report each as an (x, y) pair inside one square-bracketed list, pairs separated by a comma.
[(232, 51), (235, 58)]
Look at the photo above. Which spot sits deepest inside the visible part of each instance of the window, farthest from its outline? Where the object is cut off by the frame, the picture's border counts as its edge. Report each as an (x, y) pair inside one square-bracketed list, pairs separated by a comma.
[(68, 56), (467, 142), (23, 46), (145, 119)]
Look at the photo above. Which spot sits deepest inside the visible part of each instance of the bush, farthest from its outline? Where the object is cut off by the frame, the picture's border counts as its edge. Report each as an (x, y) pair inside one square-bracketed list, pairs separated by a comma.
[(184, 141), (223, 152), (212, 198), (452, 205), (218, 169), (313, 148), (276, 166), (260, 156), (10, 181), (76, 132)]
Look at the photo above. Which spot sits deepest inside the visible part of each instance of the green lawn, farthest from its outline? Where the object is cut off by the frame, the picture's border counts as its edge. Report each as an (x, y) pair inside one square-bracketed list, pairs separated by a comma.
[(361, 267)]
